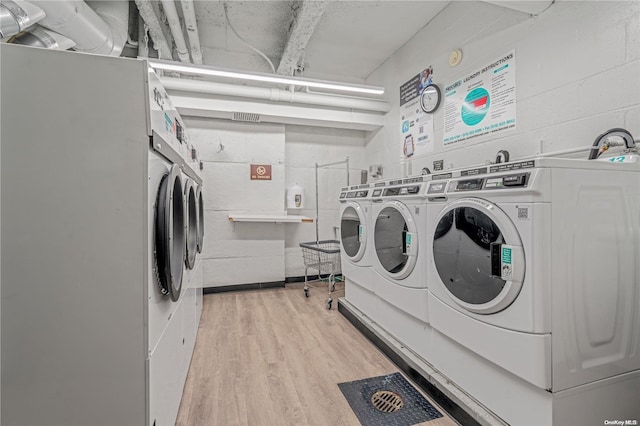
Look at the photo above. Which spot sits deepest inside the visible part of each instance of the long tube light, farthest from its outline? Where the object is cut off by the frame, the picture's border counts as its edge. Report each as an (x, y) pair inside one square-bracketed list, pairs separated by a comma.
[(268, 78)]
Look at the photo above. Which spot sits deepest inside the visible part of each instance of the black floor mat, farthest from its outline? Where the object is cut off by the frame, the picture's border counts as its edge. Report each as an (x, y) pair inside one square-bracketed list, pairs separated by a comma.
[(415, 408)]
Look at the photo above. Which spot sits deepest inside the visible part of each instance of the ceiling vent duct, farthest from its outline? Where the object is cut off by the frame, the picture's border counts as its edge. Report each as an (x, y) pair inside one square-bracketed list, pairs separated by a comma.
[(246, 116), (15, 16), (37, 36), (100, 28)]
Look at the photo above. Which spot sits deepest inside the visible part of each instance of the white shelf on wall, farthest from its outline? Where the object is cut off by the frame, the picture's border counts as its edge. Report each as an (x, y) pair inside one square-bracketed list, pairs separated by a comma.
[(269, 218)]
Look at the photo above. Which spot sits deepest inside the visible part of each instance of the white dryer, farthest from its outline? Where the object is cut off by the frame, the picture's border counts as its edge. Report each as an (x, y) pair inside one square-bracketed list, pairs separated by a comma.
[(173, 217), (107, 250), (200, 201), (198, 282), (194, 232), (191, 224), (355, 247), (173, 312), (166, 235), (519, 277), (399, 249)]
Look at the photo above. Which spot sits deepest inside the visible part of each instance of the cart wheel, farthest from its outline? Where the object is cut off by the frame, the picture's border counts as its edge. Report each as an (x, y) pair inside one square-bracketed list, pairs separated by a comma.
[(306, 292), (328, 303), (332, 287)]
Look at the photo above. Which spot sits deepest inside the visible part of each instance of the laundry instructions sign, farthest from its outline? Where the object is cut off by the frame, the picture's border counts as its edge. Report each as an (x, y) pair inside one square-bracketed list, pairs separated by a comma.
[(481, 103)]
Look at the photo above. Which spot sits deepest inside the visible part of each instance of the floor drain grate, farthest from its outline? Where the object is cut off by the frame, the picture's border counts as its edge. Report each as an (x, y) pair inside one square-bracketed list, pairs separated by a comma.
[(387, 401)]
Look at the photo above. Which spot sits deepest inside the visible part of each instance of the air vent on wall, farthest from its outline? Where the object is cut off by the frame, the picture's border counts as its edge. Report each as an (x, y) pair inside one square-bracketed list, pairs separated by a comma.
[(246, 116)]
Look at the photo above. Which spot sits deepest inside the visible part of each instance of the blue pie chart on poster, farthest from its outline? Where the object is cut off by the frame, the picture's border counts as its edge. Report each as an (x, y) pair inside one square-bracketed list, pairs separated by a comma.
[(475, 106)]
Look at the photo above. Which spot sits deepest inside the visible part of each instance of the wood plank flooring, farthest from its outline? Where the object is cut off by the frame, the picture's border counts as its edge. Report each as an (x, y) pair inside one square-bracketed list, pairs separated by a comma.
[(274, 357)]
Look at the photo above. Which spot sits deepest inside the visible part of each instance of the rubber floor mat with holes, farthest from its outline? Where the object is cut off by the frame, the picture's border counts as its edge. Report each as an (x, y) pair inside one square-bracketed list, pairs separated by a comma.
[(387, 401)]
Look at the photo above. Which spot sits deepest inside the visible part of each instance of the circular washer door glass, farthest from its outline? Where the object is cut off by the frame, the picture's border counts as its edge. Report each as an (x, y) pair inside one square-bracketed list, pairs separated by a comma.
[(350, 231), (462, 255), (390, 240)]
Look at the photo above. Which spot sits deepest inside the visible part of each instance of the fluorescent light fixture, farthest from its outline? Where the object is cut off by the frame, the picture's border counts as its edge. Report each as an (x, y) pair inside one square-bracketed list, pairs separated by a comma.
[(268, 78)]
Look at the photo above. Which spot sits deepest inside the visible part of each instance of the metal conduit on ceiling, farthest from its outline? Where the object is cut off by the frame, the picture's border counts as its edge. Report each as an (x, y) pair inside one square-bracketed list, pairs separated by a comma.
[(274, 94)]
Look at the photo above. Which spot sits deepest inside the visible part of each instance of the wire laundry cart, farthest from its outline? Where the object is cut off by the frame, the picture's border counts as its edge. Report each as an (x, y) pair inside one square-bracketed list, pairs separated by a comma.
[(325, 257)]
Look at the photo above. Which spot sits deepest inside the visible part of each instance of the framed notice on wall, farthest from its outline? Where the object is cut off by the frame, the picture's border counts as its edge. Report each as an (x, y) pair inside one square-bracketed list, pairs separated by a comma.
[(261, 172), (482, 102), (416, 126)]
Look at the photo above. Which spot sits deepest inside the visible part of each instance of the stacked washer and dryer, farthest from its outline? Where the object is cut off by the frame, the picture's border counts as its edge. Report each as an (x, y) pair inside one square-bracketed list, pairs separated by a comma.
[(101, 225)]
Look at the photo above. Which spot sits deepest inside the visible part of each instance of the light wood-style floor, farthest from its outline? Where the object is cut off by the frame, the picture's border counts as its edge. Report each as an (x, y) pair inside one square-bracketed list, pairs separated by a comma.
[(274, 357)]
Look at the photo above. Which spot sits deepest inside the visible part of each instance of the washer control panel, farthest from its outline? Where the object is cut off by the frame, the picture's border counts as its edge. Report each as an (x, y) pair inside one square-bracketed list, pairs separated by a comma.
[(354, 192), (437, 187), (167, 122), (519, 180)]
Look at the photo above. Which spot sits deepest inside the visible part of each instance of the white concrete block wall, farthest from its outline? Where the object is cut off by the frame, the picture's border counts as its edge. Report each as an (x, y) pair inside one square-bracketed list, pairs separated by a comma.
[(244, 270), (577, 68), (246, 252), (241, 252), (306, 146), (244, 262)]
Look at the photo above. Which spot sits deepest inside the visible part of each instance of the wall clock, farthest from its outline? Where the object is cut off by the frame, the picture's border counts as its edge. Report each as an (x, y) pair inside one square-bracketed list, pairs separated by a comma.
[(430, 98)]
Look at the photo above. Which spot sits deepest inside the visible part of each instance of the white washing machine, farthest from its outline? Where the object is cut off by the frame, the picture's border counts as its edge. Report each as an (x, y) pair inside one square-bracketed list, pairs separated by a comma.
[(200, 201), (399, 249), (173, 227), (194, 232), (103, 342), (172, 312), (355, 247), (534, 269), (166, 226), (199, 277)]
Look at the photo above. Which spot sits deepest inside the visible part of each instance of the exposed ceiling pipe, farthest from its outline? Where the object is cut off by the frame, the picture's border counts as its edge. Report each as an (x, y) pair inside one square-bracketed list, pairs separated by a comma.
[(170, 11), (79, 22), (217, 107), (150, 17), (37, 36), (143, 38), (116, 15), (191, 25), (273, 94), (16, 16)]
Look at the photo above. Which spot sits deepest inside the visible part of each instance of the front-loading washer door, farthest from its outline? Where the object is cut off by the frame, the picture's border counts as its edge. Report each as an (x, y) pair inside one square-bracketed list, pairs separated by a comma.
[(191, 214), (396, 240), (200, 203), (478, 255), (169, 234), (353, 235)]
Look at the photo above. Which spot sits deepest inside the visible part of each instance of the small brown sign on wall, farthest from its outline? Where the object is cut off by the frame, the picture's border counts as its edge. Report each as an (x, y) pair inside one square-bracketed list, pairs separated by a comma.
[(261, 172)]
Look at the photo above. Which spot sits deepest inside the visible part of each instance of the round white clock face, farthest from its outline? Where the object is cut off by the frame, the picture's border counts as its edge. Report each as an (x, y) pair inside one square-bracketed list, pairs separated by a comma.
[(430, 98)]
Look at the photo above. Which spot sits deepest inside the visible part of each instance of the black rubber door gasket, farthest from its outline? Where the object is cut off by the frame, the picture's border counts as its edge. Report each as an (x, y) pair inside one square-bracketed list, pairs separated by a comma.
[(170, 233), (192, 225)]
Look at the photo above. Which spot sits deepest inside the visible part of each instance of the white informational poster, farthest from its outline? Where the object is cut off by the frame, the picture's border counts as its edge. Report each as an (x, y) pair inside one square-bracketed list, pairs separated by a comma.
[(416, 126), (481, 103)]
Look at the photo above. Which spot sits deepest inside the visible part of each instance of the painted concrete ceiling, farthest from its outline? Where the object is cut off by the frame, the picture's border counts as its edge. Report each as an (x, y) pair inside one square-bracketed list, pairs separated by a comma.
[(338, 40)]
